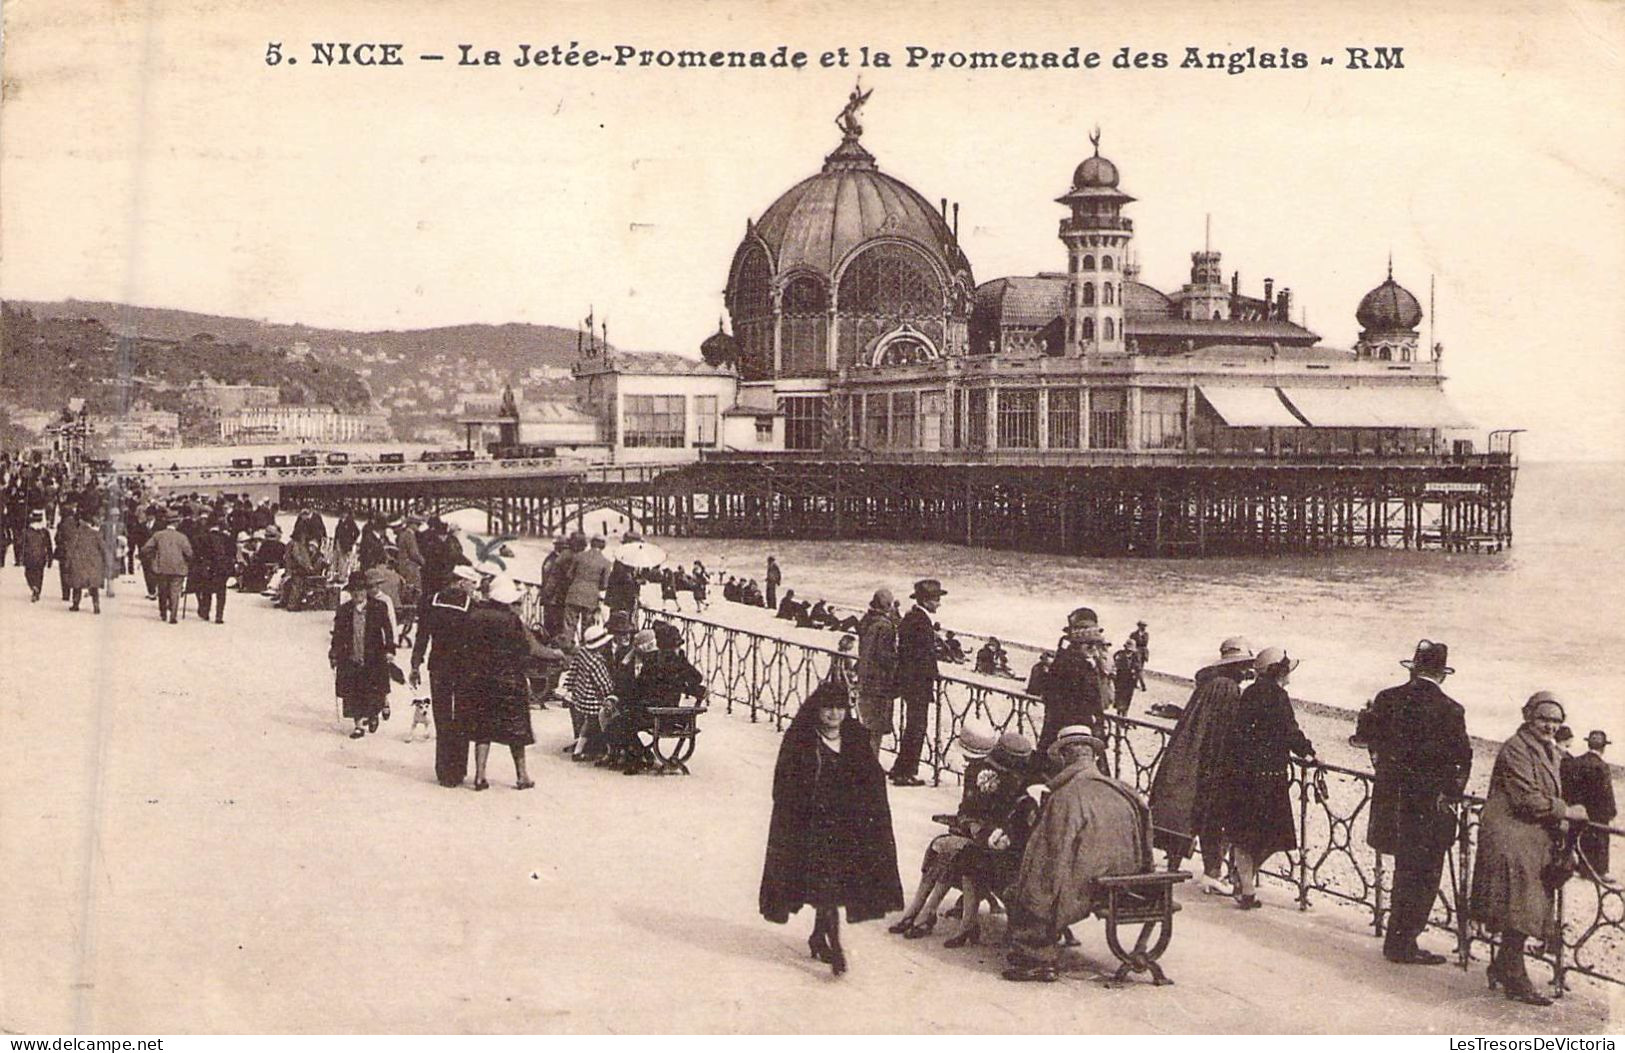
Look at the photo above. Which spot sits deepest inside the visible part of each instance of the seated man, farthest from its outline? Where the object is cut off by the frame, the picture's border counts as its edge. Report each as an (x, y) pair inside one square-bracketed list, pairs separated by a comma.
[(951, 649), (789, 609), (1089, 826), (991, 659), (751, 594), (303, 565)]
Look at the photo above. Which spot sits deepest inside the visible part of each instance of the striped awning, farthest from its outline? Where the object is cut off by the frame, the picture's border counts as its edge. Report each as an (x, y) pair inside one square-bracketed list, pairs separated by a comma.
[(1386, 407), (1254, 407)]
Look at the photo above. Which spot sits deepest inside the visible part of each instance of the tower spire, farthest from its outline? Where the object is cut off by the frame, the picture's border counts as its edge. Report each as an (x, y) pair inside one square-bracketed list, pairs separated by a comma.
[(1390, 264), (1094, 140)]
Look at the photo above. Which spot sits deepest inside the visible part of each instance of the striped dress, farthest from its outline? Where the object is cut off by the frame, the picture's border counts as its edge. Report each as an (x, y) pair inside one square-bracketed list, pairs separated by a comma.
[(588, 681)]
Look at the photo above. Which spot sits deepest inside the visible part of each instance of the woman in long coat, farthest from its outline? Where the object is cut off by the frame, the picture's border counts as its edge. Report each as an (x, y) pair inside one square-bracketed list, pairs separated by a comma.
[(1523, 815), (493, 702), (830, 842), (359, 654), (1256, 803), (84, 561)]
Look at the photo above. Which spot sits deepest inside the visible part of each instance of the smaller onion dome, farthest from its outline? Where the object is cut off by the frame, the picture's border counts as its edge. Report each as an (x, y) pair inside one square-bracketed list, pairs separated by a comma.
[(1389, 306), (719, 349), (1096, 173)]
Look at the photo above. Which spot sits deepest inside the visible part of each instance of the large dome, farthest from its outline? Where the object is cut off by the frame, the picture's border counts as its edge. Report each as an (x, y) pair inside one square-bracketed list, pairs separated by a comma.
[(816, 223), (1389, 306), (1096, 173)]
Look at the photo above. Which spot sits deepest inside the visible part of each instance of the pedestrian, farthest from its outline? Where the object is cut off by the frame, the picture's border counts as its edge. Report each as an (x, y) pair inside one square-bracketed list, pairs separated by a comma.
[(877, 667), (589, 573), (1521, 832), (829, 843), (588, 687), (442, 634), (1256, 804), (494, 698), (169, 554), (1077, 685), (362, 643), (84, 559), (1421, 757), (216, 554), (1588, 781), (1186, 787), (410, 562), (1141, 639), (1125, 677), (1090, 826), (916, 678), (774, 578), (621, 589), (35, 552)]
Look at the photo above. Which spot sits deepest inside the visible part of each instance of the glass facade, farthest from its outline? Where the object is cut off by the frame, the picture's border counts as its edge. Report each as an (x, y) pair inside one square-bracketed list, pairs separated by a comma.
[(1063, 418), (653, 420), (1162, 419), (803, 422), (1108, 419), (1018, 418)]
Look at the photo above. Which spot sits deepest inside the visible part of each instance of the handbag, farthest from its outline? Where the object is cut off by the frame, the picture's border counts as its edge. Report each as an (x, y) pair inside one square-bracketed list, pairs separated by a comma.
[(1562, 865)]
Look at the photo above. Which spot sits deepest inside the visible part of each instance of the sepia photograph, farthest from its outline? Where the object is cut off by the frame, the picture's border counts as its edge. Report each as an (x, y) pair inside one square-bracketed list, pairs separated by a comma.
[(724, 518)]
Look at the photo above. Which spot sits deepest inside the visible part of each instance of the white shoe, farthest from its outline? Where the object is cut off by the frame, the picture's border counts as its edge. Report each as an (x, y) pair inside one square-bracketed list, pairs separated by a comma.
[(1212, 886)]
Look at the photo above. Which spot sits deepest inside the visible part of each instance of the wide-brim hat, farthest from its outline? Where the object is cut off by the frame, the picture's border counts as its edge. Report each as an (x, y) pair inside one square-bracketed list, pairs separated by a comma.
[(619, 622), (644, 640), (1013, 750), (595, 637), (1082, 617), (1430, 657), (928, 589), (356, 580), (464, 572), (1235, 649), (503, 590), (1075, 734), (1597, 738), (1565, 733), (1270, 657), (272, 531), (490, 569), (977, 740)]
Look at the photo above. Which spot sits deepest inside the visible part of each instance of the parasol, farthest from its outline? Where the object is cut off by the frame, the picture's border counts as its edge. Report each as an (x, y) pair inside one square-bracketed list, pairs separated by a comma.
[(640, 554)]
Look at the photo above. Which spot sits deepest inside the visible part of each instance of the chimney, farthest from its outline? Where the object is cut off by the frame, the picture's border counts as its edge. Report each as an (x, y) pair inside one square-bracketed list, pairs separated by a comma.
[(956, 221), (1269, 295), (1235, 283), (1285, 301), (944, 208)]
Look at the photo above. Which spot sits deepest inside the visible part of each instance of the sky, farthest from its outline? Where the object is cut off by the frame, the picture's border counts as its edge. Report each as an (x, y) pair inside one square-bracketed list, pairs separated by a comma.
[(149, 154)]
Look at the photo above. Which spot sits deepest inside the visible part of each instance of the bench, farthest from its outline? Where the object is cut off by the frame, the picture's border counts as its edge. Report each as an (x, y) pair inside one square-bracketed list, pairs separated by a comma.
[(674, 729), (1146, 900)]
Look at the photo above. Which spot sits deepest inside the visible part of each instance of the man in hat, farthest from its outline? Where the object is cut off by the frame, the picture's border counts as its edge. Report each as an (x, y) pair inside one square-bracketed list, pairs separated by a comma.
[(774, 578), (410, 561), (589, 574), (443, 635), (1140, 638), (169, 553), (1421, 755), (877, 666), (1191, 773), (35, 552), (1090, 826), (1587, 781), (916, 678), (1078, 684)]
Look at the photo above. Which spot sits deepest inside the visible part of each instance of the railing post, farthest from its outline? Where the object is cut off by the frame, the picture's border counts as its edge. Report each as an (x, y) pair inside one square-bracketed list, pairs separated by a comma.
[(937, 749), (1558, 968), (1305, 788), (1464, 892)]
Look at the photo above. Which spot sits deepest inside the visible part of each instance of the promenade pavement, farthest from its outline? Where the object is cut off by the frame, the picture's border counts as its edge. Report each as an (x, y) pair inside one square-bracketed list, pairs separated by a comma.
[(191, 844)]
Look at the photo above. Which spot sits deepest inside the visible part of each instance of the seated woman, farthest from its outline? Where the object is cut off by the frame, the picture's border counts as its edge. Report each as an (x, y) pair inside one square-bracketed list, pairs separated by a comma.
[(989, 864), (588, 687), (995, 776), (664, 679), (991, 660), (789, 609), (949, 647)]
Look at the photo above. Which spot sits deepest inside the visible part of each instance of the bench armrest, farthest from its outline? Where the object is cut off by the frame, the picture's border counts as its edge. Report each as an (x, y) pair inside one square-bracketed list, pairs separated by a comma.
[(675, 711), (1160, 877)]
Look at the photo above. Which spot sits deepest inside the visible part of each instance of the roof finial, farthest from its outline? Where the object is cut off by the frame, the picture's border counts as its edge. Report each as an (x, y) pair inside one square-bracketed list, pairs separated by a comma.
[(1094, 140), (1390, 264)]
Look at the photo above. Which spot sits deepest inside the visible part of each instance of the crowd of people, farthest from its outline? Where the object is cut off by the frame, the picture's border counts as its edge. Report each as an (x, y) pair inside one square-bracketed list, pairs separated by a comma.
[(1037, 822)]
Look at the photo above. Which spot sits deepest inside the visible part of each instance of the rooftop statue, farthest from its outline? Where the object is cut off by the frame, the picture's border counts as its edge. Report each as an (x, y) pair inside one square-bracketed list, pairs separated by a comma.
[(847, 122)]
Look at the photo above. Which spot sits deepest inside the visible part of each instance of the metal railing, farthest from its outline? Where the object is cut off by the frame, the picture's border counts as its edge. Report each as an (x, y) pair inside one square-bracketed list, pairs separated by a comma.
[(767, 678)]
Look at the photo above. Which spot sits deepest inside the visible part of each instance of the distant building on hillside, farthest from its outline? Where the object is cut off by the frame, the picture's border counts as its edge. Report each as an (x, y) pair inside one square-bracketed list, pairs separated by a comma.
[(228, 398), (301, 423)]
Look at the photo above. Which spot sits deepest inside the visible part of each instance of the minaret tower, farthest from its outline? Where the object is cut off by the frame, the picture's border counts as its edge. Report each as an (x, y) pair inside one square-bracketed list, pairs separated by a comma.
[(1097, 242)]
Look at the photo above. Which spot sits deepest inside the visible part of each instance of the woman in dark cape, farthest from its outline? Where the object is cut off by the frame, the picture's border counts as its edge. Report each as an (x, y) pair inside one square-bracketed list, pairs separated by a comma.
[(830, 843)]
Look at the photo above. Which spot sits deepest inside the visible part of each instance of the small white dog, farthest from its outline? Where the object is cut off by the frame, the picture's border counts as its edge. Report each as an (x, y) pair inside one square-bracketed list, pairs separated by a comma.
[(420, 719)]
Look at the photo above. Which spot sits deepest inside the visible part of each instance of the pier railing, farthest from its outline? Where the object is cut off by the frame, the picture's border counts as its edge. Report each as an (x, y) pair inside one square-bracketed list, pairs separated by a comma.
[(767, 677)]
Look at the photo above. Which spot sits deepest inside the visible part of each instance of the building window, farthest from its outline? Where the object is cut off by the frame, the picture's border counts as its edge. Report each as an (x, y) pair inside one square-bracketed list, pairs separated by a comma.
[(1018, 418), (804, 339), (764, 429), (902, 420), (1105, 263), (975, 418), (1088, 294), (1108, 330), (1162, 419), (875, 418), (1063, 418), (1108, 418), (653, 420), (1089, 262), (1106, 293), (803, 423), (1088, 329), (705, 420)]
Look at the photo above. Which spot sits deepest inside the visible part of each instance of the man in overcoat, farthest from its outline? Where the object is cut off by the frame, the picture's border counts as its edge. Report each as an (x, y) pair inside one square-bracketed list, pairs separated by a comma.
[(168, 553), (916, 678), (443, 636), (1587, 781), (1077, 685), (1089, 826), (1420, 752), (589, 573), (35, 552), (877, 666)]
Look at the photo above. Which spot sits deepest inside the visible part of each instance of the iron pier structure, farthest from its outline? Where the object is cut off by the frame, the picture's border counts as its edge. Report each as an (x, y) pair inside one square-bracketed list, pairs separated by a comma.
[(1127, 505)]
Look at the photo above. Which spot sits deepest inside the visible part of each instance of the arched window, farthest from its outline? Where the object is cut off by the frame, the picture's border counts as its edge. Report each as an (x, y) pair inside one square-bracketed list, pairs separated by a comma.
[(1088, 329), (1109, 330), (1106, 293), (804, 340), (886, 284), (1105, 263), (1385, 354), (1089, 262), (1088, 294), (751, 305)]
